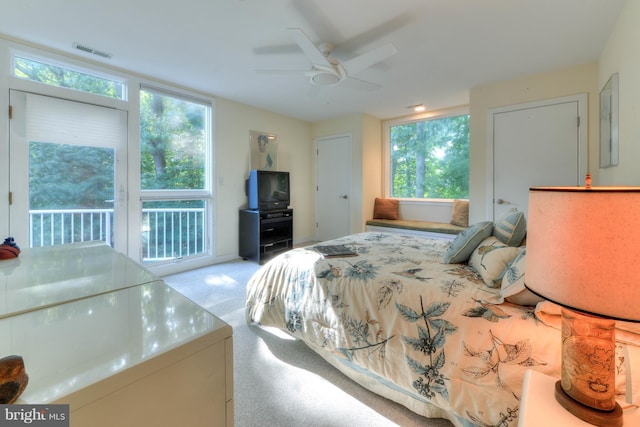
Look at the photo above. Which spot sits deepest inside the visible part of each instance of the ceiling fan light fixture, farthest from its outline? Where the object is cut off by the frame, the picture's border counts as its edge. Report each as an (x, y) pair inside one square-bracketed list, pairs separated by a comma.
[(325, 79), (327, 71)]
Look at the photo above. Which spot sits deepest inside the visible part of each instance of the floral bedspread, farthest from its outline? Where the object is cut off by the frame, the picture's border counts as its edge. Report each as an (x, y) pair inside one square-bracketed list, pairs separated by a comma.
[(396, 312)]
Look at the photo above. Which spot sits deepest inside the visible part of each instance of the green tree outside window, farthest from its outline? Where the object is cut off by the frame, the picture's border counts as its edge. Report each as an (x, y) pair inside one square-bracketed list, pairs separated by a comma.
[(429, 159)]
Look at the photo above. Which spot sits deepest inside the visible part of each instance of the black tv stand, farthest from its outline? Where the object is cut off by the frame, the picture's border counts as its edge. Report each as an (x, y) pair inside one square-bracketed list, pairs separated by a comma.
[(265, 234)]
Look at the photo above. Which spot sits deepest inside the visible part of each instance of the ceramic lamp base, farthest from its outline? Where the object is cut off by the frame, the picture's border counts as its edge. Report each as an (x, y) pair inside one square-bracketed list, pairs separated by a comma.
[(592, 416)]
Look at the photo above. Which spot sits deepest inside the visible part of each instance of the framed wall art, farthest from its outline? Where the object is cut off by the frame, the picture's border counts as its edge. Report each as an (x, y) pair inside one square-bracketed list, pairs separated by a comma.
[(609, 154), (264, 150)]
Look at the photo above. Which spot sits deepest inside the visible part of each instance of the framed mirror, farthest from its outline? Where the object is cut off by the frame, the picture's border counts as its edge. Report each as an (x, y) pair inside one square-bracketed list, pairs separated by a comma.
[(609, 123)]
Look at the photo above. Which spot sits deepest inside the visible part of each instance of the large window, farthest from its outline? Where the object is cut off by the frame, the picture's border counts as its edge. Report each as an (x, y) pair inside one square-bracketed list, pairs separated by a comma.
[(175, 135), (73, 148), (429, 157)]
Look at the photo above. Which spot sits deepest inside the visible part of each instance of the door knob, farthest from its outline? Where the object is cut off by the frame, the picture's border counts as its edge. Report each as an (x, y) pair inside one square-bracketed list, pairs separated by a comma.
[(503, 202), (344, 196)]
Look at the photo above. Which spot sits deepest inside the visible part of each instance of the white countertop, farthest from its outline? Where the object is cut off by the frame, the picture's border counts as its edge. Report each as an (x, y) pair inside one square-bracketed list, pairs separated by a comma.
[(42, 277), (82, 313), (73, 345)]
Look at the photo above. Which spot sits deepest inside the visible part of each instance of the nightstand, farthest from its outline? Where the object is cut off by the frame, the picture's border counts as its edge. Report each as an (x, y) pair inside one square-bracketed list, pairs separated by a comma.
[(538, 406)]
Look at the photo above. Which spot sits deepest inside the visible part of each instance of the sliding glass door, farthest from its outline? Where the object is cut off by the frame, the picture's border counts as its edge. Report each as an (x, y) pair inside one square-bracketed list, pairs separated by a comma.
[(67, 172)]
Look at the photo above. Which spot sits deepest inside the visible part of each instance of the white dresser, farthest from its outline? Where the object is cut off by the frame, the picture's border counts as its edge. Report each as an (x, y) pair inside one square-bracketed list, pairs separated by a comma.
[(102, 334)]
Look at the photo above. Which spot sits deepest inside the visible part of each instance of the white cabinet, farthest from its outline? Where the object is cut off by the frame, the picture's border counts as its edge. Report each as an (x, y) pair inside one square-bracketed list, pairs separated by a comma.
[(539, 406), (133, 355)]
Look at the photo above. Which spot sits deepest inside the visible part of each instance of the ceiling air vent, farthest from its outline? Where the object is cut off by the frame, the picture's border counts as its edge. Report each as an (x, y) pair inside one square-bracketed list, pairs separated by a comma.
[(88, 49)]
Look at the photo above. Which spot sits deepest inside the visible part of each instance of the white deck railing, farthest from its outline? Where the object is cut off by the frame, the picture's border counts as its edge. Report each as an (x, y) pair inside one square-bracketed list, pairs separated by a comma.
[(166, 233), (58, 226), (173, 233)]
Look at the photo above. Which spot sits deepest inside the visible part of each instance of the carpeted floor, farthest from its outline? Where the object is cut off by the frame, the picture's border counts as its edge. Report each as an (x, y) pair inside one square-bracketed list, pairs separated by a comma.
[(279, 381)]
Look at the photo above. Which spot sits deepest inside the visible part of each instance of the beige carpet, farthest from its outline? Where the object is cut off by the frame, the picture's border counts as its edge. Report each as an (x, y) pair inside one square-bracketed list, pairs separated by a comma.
[(279, 381)]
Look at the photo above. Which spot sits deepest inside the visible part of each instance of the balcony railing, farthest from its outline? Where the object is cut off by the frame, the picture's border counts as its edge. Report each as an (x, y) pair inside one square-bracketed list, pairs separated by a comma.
[(58, 226), (173, 233), (166, 233)]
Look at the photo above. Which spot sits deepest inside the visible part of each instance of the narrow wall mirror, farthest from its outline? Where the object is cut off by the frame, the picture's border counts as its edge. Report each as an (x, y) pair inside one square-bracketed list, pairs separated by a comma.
[(609, 123)]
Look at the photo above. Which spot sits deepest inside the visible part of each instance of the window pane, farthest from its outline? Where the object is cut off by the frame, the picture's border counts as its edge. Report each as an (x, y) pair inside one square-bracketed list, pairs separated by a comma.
[(173, 134), (53, 75), (430, 158), (173, 229), (72, 203)]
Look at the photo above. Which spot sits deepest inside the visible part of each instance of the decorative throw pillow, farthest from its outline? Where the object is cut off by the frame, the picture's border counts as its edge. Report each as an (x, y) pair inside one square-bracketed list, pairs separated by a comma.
[(511, 227), (490, 259), (513, 289), (466, 241), (385, 208), (460, 213)]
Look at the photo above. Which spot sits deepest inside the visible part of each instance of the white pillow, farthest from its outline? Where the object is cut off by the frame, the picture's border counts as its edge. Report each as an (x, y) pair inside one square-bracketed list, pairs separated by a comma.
[(490, 259), (512, 288)]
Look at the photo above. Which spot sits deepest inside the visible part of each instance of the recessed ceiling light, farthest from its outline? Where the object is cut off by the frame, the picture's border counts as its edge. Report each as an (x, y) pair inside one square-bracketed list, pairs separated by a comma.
[(417, 108)]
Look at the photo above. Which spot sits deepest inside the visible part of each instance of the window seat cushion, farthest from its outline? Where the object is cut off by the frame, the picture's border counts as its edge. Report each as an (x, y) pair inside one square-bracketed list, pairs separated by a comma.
[(434, 227)]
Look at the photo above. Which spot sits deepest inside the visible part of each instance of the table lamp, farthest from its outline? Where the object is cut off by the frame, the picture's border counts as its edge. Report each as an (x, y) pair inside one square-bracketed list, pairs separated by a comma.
[(583, 253)]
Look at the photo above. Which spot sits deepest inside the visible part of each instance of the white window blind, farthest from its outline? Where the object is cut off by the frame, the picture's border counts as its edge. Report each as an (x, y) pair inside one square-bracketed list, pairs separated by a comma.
[(67, 122)]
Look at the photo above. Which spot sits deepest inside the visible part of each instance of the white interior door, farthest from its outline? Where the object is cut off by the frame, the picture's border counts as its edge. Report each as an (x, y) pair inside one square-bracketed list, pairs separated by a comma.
[(333, 184), (535, 144), (68, 172)]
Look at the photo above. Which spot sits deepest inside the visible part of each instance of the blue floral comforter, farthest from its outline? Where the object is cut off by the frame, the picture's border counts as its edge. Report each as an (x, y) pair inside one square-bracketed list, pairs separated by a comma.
[(431, 331)]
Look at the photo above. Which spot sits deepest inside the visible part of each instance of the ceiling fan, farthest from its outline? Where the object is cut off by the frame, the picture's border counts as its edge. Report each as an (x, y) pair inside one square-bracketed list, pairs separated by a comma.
[(328, 71)]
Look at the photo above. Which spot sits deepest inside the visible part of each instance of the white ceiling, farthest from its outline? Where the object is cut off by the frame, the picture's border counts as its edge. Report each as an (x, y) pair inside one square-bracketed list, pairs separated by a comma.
[(445, 47)]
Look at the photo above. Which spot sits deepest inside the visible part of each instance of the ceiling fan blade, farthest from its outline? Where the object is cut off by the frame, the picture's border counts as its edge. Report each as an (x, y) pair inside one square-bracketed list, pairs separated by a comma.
[(280, 71), (361, 85), (366, 60), (283, 49), (309, 48)]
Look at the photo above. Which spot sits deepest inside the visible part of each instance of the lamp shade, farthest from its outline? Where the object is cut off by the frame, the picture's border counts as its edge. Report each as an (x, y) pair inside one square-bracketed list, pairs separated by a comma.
[(583, 248)]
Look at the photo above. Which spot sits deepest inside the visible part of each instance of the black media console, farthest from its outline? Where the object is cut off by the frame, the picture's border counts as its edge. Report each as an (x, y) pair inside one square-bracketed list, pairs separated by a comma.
[(265, 234)]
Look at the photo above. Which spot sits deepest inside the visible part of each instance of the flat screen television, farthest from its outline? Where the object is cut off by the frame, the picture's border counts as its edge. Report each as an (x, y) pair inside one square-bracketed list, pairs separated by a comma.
[(268, 190)]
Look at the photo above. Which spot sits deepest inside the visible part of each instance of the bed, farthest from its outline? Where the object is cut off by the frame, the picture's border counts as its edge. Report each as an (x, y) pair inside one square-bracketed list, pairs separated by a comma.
[(446, 329)]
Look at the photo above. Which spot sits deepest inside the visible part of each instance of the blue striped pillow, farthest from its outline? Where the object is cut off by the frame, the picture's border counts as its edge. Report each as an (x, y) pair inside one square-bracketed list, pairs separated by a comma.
[(466, 242), (511, 227)]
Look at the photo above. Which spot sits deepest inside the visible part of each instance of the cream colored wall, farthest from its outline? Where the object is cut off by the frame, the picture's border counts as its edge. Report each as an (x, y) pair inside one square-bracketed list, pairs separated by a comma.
[(621, 55), (564, 82), (366, 152), (371, 166), (233, 121)]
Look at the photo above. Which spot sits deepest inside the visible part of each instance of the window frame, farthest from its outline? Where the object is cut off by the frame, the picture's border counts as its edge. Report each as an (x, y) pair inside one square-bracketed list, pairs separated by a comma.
[(70, 65), (178, 195), (9, 48), (386, 146)]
